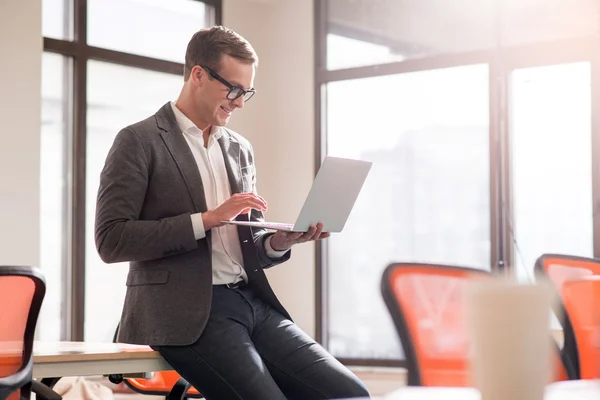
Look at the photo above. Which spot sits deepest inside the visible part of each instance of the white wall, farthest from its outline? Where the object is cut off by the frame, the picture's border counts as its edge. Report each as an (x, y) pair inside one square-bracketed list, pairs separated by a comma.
[(20, 102), (279, 121)]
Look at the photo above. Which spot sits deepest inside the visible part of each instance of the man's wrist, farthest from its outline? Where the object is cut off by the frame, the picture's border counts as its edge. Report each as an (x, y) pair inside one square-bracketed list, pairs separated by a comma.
[(277, 246), (209, 220), (272, 252)]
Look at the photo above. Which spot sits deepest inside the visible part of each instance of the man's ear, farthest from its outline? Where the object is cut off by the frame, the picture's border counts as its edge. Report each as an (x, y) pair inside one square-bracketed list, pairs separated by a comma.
[(198, 75)]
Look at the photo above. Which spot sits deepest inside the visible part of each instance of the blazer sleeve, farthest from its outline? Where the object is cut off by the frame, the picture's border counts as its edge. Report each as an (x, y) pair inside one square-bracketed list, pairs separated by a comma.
[(119, 234), (264, 260)]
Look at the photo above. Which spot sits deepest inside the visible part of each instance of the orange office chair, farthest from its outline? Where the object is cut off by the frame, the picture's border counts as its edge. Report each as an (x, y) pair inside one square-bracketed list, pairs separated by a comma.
[(560, 268), (22, 291), (581, 298), (163, 383), (426, 304)]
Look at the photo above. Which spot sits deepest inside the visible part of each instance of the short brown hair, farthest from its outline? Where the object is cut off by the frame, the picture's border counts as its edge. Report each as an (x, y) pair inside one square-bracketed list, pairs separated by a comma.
[(207, 46)]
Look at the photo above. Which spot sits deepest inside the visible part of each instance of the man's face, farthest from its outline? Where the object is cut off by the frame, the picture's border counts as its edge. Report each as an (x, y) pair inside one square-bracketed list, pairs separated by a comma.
[(214, 106)]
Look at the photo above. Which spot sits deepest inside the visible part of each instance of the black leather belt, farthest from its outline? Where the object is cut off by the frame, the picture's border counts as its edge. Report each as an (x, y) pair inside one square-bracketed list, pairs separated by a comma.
[(238, 285)]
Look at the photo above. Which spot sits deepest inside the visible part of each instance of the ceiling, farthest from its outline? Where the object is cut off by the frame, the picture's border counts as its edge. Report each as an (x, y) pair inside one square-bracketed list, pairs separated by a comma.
[(434, 26)]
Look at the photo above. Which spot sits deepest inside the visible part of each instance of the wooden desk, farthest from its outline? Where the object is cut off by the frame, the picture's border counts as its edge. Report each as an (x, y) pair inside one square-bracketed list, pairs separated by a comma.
[(58, 359)]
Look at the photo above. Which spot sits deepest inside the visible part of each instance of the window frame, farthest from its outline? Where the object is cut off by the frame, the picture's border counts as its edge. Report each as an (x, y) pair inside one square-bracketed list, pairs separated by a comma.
[(501, 62), (79, 52)]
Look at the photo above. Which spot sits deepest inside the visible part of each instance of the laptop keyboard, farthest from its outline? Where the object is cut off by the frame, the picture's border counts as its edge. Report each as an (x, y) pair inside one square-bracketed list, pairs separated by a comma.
[(277, 225)]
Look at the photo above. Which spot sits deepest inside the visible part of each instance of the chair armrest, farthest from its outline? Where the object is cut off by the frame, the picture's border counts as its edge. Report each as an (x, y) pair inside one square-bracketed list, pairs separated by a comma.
[(43, 392)]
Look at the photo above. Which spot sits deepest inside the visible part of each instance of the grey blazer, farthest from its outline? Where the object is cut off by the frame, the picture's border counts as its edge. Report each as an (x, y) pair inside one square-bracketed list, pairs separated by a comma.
[(149, 186)]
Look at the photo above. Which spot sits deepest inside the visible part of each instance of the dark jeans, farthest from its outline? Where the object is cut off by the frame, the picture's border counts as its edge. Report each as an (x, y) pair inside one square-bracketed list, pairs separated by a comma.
[(250, 351)]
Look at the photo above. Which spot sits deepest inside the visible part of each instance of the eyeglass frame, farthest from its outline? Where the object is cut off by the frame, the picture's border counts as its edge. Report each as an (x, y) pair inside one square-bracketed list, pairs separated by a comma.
[(230, 86)]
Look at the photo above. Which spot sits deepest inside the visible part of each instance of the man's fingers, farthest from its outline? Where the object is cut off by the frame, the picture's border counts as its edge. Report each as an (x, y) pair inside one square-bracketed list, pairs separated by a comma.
[(307, 235), (315, 233), (256, 204), (318, 231), (252, 203), (250, 196), (293, 235), (252, 200), (261, 198)]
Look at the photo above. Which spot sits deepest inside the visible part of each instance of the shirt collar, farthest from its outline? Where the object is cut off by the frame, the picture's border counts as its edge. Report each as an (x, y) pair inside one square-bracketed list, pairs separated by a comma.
[(185, 124)]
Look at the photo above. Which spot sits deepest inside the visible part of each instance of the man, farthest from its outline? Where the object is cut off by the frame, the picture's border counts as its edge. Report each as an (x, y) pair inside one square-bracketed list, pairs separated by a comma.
[(196, 289)]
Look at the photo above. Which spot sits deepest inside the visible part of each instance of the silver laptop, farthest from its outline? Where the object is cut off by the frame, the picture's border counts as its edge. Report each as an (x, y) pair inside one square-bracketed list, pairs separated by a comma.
[(330, 200)]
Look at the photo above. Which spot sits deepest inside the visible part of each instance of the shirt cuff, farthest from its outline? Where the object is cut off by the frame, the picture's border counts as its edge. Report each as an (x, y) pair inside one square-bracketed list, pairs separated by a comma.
[(198, 226), (269, 249)]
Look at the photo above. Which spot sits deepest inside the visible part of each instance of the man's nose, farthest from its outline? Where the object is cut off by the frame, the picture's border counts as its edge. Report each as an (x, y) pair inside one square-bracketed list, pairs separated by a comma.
[(239, 102)]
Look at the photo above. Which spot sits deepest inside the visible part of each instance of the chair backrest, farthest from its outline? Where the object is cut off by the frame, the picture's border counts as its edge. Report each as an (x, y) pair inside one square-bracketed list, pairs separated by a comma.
[(581, 298), (22, 291), (560, 268), (426, 305), (426, 302)]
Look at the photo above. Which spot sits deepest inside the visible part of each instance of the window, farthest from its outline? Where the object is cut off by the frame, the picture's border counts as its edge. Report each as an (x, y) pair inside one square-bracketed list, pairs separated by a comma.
[(117, 97), (125, 71), (427, 196), (134, 26), (54, 163), (551, 124), (57, 19), (479, 120)]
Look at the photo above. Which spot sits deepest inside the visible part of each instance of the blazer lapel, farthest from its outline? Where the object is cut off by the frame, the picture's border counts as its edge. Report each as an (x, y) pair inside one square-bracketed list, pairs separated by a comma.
[(231, 155), (233, 163), (181, 153)]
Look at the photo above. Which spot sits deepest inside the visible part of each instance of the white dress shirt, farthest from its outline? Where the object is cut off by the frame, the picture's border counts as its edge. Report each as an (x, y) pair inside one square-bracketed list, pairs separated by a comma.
[(227, 260)]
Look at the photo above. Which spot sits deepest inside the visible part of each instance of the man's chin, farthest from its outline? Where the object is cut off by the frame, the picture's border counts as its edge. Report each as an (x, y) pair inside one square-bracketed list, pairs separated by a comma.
[(221, 121)]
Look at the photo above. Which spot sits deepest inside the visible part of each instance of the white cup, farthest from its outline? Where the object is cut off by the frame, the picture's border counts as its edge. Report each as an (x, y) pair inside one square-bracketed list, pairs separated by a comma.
[(508, 324)]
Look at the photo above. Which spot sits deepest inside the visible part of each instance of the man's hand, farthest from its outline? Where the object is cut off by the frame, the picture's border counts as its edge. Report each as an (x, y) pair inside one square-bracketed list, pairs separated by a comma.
[(282, 240), (239, 203)]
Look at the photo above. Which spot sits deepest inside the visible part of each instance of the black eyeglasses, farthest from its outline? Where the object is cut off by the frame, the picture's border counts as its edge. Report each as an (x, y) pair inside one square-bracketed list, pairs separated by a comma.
[(234, 91)]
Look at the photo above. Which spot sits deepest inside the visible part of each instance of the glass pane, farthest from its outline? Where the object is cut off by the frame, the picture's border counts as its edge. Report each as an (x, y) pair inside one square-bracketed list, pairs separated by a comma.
[(426, 198), (117, 96), (153, 28), (55, 133), (550, 124), (368, 32), (348, 52), (57, 19)]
